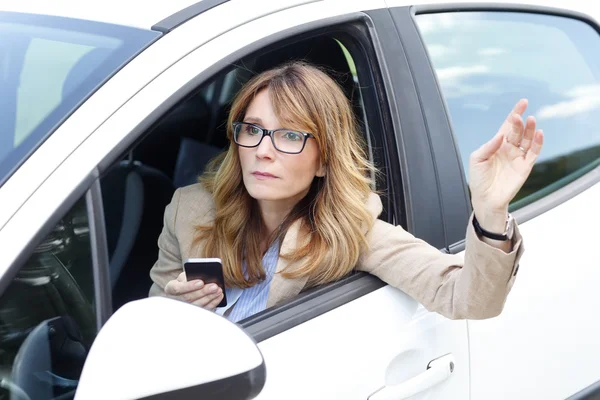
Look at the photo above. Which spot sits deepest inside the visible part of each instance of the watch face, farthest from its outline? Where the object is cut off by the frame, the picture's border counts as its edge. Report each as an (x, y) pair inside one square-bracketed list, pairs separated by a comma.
[(510, 227)]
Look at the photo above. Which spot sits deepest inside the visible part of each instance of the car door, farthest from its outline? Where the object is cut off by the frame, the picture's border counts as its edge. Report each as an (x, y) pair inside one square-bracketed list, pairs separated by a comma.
[(472, 69), (349, 339)]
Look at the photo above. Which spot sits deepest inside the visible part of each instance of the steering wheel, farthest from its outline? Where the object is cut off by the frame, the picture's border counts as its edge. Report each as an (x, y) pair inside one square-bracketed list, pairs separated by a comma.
[(62, 326), (13, 389)]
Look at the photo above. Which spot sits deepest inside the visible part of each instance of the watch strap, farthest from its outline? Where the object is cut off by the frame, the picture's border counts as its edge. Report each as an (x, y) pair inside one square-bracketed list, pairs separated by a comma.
[(482, 232)]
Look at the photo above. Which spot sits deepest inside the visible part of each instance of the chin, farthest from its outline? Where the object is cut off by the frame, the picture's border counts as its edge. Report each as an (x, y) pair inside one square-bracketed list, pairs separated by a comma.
[(260, 192)]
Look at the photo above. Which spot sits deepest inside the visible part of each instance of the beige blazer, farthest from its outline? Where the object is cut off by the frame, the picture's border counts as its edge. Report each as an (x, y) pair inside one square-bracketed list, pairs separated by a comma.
[(473, 287)]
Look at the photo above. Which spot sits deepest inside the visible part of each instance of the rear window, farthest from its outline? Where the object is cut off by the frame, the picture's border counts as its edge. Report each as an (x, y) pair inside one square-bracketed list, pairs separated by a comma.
[(48, 66), (485, 61)]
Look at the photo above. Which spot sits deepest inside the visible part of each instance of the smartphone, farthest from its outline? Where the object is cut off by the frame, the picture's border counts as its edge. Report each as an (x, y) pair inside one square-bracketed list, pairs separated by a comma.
[(208, 270)]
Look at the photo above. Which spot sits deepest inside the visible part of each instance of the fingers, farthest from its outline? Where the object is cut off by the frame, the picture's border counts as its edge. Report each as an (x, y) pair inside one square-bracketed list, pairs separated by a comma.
[(508, 128), (179, 288), (209, 300), (512, 129), (520, 107), (514, 132), (529, 133), (536, 147), (487, 149), (213, 304), (197, 295), (194, 292)]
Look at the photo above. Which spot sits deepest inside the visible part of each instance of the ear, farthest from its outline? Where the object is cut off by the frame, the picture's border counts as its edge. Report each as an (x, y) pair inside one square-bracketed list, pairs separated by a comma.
[(321, 171)]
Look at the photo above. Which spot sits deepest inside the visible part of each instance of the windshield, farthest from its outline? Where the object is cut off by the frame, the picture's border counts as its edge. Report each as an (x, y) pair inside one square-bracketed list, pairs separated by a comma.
[(48, 66)]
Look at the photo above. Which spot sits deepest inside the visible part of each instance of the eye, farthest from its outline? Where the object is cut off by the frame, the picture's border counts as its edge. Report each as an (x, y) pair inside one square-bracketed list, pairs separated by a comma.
[(292, 136), (252, 130)]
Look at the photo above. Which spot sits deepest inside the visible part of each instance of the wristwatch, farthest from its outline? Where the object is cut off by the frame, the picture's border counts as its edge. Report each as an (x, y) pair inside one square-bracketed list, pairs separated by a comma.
[(509, 230)]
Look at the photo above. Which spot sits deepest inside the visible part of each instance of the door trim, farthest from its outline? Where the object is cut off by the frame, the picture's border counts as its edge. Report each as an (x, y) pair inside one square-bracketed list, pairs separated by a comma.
[(99, 250), (309, 305)]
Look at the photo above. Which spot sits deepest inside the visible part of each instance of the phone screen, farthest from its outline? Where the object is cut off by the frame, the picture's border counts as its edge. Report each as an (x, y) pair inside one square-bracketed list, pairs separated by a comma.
[(208, 270)]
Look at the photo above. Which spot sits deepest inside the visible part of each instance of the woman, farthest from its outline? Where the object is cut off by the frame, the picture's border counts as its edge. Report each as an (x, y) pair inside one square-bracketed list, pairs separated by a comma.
[(289, 206)]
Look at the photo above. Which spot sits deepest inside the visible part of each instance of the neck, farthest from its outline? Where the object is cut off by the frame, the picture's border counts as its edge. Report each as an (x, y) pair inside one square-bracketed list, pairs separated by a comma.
[(274, 212)]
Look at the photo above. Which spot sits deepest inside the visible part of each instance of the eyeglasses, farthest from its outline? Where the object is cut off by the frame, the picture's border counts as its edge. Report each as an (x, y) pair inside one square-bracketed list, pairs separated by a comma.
[(284, 140)]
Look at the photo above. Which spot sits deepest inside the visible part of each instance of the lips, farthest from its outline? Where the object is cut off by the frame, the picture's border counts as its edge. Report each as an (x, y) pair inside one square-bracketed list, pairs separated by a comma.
[(263, 175)]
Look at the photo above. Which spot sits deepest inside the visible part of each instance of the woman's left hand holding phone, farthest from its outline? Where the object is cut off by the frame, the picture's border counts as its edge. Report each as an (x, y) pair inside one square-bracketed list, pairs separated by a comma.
[(194, 292)]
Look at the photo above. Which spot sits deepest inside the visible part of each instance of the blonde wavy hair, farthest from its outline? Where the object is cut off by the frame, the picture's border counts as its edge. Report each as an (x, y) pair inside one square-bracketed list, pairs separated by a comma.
[(333, 215)]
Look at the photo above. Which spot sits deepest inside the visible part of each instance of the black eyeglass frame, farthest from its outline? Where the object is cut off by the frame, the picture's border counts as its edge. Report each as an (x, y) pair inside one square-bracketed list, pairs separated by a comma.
[(268, 132)]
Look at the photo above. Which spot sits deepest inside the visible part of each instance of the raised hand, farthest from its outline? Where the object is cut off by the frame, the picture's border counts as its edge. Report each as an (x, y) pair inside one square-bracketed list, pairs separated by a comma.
[(499, 168)]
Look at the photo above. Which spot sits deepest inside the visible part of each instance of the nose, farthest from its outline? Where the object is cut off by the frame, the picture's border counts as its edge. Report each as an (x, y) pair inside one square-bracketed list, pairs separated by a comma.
[(265, 149)]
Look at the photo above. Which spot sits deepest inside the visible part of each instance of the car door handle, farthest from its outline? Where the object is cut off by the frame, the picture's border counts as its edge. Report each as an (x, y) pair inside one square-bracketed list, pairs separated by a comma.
[(437, 371)]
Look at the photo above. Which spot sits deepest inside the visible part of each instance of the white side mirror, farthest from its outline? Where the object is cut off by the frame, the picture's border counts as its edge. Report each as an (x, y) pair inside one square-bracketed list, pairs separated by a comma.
[(164, 349)]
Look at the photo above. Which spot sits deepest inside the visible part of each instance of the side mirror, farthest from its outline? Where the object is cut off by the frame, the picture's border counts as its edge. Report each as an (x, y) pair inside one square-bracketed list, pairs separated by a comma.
[(159, 348)]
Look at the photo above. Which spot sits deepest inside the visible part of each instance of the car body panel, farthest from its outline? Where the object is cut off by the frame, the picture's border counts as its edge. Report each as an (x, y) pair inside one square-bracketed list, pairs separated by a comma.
[(132, 12), (545, 342), (112, 11), (129, 12), (582, 6), (382, 338)]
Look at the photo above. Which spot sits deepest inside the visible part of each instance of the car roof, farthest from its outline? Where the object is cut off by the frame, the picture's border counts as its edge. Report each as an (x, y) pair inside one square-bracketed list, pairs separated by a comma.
[(592, 9), (135, 13), (138, 13)]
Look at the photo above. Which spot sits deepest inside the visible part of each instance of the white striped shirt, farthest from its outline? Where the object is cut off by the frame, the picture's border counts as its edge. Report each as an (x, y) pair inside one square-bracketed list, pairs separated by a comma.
[(254, 299)]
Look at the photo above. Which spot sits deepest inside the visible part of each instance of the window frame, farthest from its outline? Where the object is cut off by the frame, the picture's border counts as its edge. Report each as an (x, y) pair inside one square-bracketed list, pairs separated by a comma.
[(89, 188), (432, 96), (100, 258), (89, 191)]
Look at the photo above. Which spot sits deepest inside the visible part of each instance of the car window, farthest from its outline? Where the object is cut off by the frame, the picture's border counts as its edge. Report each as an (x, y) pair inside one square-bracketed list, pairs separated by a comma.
[(48, 65), (47, 317), (486, 61)]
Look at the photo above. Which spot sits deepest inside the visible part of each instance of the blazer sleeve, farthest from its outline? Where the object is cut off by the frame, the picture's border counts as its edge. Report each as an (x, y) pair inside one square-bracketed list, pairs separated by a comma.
[(471, 287), (168, 265)]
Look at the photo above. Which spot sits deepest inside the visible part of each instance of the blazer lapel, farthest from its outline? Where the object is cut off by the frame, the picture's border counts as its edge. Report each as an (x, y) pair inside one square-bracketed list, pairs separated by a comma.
[(282, 288)]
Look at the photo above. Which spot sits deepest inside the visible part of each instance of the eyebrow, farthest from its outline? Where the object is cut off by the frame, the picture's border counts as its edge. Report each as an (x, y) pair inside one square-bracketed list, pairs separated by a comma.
[(254, 120), (258, 121)]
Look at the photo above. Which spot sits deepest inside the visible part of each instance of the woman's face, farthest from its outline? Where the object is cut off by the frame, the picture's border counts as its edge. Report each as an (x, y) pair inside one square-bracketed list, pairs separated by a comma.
[(270, 175)]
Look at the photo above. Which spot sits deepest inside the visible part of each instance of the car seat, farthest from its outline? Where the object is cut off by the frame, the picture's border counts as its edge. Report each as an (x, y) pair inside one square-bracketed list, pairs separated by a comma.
[(160, 147), (191, 161), (134, 198), (324, 52)]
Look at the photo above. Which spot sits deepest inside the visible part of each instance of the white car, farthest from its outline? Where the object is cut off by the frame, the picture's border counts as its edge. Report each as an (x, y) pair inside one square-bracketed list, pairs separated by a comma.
[(107, 107)]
